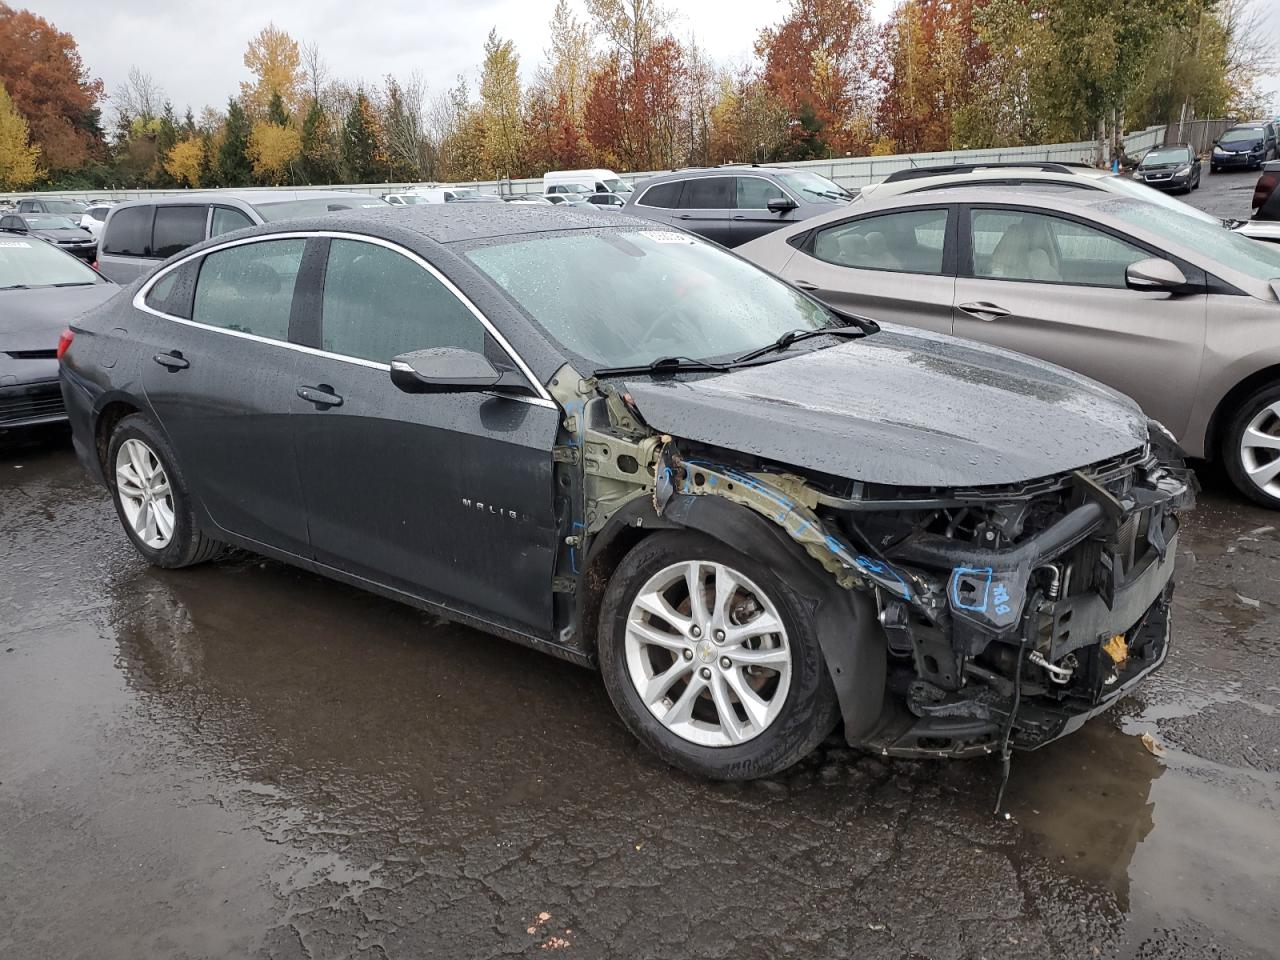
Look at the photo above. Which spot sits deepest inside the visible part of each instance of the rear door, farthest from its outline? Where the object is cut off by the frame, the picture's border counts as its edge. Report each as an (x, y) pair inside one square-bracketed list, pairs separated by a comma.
[(1054, 287), (219, 376), (752, 217), (177, 227), (124, 253), (897, 266), (661, 202), (444, 497), (707, 206)]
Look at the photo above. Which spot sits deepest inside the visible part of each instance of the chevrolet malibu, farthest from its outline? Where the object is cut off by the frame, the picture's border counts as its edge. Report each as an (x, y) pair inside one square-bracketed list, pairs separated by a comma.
[(626, 447)]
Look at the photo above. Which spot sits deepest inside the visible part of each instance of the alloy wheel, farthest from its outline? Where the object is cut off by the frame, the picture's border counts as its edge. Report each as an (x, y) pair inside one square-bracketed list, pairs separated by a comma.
[(708, 653), (146, 497)]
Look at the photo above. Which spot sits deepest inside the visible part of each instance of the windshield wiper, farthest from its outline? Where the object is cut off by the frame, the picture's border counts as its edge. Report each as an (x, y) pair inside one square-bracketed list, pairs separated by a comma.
[(663, 365), (856, 328), (76, 283)]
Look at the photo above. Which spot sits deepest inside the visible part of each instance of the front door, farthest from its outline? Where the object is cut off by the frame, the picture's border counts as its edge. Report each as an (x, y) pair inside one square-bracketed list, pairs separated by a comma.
[(1054, 287), (893, 266), (753, 218), (707, 206), (220, 379), (446, 497)]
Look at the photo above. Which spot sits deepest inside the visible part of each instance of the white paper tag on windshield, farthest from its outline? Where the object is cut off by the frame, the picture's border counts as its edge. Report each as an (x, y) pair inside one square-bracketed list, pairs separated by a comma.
[(666, 236), (14, 243)]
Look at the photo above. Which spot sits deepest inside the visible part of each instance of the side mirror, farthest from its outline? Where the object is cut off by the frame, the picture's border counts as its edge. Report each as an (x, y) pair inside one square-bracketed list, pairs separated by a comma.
[(1154, 276), (450, 370), (782, 205)]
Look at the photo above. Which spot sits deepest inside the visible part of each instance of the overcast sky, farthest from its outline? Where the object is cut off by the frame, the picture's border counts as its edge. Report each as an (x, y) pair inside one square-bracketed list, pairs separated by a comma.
[(194, 48)]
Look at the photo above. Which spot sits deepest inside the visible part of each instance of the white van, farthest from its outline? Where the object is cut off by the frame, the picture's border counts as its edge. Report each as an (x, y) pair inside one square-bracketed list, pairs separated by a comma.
[(584, 182)]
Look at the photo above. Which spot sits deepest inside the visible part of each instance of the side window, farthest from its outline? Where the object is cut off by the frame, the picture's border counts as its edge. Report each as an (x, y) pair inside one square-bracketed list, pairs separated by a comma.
[(664, 195), (9, 223), (708, 193), (129, 233), (177, 228), (754, 193), (249, 288), (171, 294), (909, 242), (378, 303), (226, 219), (1016, 245)]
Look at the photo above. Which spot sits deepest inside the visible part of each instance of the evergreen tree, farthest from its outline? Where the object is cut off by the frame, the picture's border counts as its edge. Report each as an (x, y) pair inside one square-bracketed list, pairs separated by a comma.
[(361, 153), (319, 153), (234, 169), (276, 112)]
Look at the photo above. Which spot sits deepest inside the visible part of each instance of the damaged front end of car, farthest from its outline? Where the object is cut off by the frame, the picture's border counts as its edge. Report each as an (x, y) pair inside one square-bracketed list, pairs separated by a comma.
[(954, 622)]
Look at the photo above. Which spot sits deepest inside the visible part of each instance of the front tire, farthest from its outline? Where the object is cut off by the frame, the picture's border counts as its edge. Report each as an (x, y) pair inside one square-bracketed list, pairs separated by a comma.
[(151, 497), (710, 660), (1251, 447)]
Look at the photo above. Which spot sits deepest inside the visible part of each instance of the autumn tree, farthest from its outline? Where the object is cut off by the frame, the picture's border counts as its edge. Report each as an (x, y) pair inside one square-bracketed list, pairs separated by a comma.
[(184, 162), (19, 166), (402, 128), (362, 156), (275, 60), (234, 167), (273, 149), (318, 146), (500, 106), (50, 86)]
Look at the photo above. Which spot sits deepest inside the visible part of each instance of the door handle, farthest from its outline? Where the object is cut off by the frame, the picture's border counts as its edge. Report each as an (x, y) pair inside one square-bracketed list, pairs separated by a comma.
[(174, 360), (982, 310), (683, 216), (322, 396), (804, 284), (738, 216)]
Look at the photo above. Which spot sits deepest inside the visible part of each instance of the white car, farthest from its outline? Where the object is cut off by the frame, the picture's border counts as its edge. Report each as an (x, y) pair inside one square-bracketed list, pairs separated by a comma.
[(403, 199), (94, 218), (1050, 176)]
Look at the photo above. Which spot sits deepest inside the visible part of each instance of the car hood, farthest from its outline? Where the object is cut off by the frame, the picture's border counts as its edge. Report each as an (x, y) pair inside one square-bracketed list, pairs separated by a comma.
[(64, 233), (34, 319), (902, 407)]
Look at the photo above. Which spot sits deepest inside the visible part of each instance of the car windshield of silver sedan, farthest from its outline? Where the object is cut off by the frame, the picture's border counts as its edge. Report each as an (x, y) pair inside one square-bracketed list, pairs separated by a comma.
[(1258, 260), (43, 222), (1161, 199), (624, 298), (34, 263)]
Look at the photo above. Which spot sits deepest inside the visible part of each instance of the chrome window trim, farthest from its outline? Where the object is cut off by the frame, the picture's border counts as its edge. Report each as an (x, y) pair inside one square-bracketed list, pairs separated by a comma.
[(543, 398)]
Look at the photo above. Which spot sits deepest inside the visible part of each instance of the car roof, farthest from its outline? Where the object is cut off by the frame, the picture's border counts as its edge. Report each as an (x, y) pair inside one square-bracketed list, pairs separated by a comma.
[(250, 197), (725, 170), (458, 222)]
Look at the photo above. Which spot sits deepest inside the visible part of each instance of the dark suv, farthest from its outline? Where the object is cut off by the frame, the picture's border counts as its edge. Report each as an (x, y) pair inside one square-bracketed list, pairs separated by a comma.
[(732, 205), (1245, 146)]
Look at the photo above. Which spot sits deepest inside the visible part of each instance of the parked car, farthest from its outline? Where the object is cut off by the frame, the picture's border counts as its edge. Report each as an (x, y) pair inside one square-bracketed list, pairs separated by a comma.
[(567, 199), (1179, 313), (1169, 168), (1036, 175), (584, 181), (753, 515), (42, 289), (1266, 194), (528, 198), (735, 204), (139, 234), (95, 216), (610, 201), (55, 205), (1245, 146), (61, 231), (404, 199)]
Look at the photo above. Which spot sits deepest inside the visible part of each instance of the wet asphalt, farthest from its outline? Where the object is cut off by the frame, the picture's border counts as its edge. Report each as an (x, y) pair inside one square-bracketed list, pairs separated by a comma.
[(245, 760)]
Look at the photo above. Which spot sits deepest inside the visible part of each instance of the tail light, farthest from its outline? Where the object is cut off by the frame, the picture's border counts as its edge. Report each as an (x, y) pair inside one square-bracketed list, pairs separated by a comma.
[(1266, 184), (64, 341), (95, 263)]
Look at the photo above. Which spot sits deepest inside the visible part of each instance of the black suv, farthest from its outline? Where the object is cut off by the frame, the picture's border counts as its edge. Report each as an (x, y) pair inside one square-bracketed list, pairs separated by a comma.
[(734, 204)]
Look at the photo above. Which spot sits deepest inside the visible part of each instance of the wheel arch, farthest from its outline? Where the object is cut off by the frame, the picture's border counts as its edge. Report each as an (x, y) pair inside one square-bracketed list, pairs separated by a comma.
[(1231, 402), (849, 633), (110, 411)]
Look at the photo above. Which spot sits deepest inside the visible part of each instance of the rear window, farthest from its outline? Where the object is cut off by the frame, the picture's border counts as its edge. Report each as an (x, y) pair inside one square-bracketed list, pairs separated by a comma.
[(664, 195), (226, 219), (709, 193), (128, 232), (68, 207), (249, 288), (177, 228)]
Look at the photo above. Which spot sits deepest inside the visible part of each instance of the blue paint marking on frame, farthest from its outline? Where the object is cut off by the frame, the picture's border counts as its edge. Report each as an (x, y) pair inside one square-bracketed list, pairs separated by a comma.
[(884, 571), (977, 573)]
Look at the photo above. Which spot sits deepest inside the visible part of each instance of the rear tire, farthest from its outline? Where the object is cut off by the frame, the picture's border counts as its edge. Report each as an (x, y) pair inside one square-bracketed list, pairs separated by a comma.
[(732, 688), (1251, 447), (151, 498)]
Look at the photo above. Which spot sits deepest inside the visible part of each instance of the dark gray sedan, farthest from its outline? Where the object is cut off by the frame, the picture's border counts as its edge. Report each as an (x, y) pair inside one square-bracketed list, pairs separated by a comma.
[(624, 446), (65, 233), (42, 290)]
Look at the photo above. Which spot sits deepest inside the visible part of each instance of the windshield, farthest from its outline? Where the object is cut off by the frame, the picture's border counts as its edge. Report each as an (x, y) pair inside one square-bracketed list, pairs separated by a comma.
[(1171, 155), (34, 263), (1141, 191), (1258, 260), (815, 187), (625, 297), (285, 209), (615, 185), (66, 206), (1243, 135), (39, 221)]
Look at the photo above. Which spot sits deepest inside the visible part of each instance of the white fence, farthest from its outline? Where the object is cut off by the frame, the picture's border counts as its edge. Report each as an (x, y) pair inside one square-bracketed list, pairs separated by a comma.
[(847, 171)]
